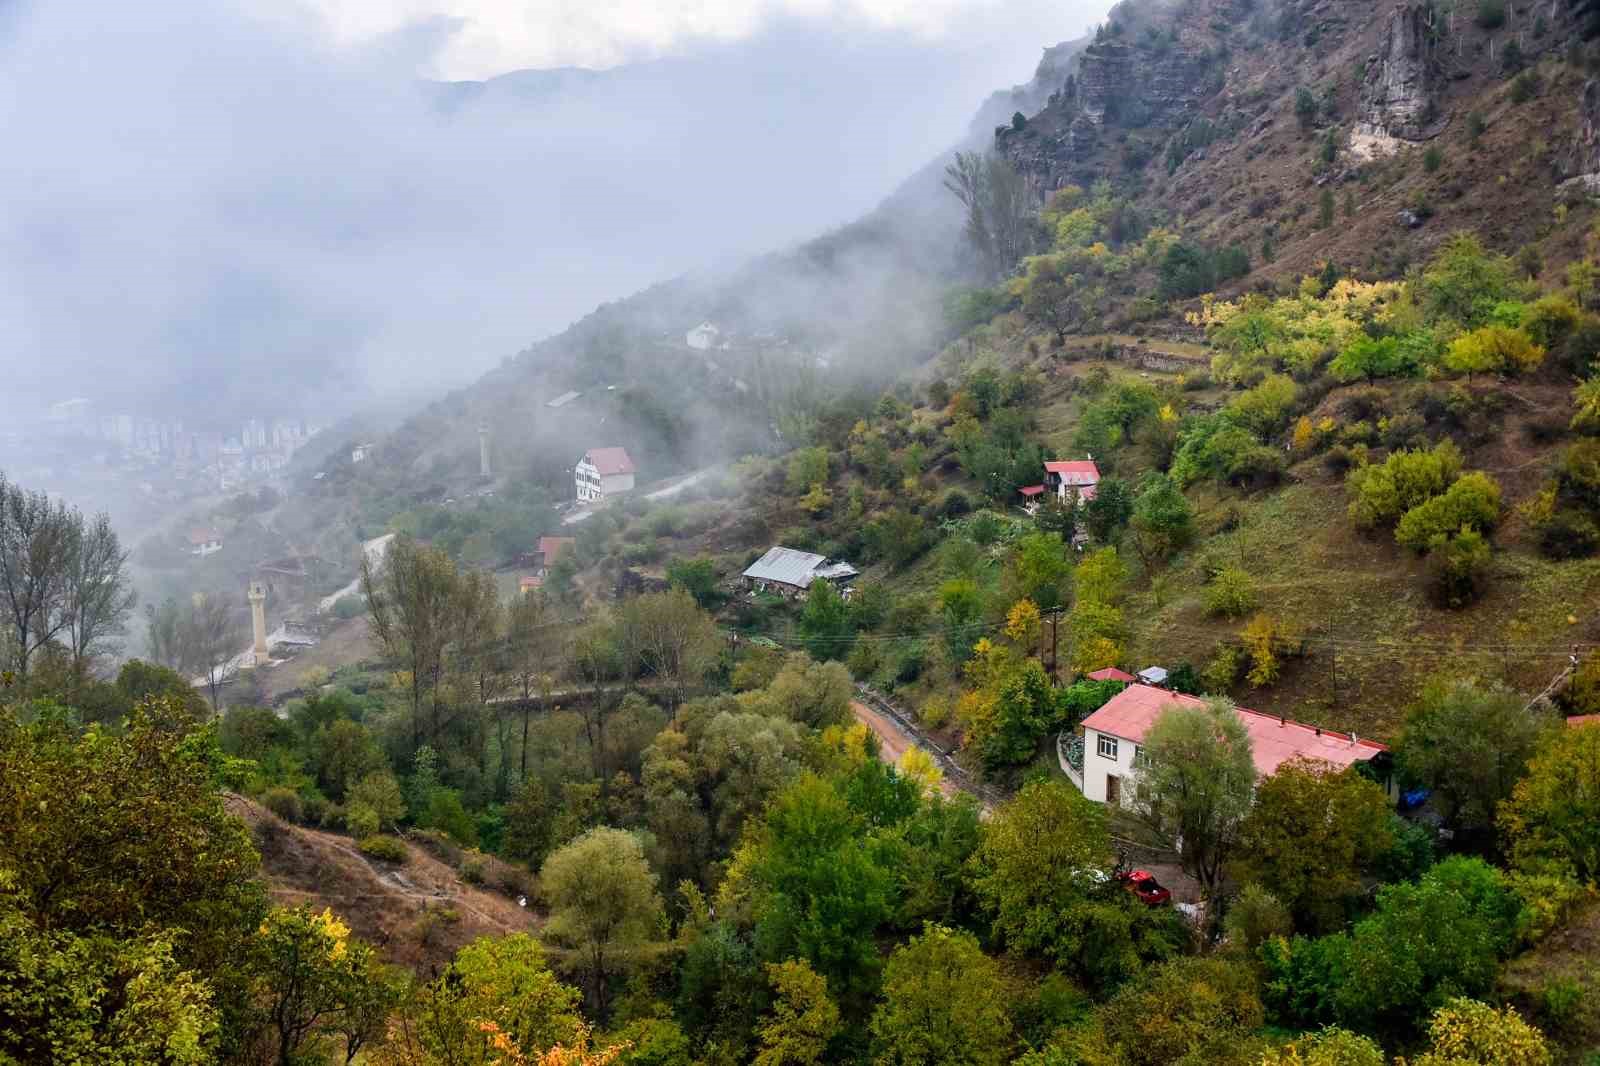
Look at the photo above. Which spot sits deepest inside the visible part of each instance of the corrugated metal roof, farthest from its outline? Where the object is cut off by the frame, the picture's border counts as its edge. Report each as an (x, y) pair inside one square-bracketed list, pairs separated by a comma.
[(1074, 471), (1273, 741), (791, 566), (564, 399)]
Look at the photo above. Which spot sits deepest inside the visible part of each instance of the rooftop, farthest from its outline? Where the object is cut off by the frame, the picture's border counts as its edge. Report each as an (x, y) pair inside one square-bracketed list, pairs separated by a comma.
[(1110, 673), (551, 547), (610, 461), (1074, 471), (790, 566), (1273, 741), (203, 535)]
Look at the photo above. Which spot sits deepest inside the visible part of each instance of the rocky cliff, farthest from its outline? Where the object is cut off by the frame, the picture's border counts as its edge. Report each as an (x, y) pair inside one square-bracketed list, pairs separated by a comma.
[(1399, 98)]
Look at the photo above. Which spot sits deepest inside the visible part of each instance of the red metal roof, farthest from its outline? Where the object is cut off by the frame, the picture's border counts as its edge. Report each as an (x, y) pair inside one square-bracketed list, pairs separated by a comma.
[(1111, 673), (203, 535), (1074, 471), (1032, 490), (554, 546), (1581, 720), (610, 461), (1130, 714)]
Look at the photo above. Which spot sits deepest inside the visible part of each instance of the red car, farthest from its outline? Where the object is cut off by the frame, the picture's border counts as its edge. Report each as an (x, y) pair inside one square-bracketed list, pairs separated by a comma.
[(1143, 884)]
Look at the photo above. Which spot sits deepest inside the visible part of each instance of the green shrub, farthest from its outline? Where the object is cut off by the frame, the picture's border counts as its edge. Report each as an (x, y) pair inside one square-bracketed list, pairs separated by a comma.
[(1432, 159), (473, 870), (284, 802), (1491, 14), (1568, 534), (1475, 126), (362, 821), (346, 607), (1458, 566), (387, 849), (1525, 87), (1471, 503), (1231, 594)]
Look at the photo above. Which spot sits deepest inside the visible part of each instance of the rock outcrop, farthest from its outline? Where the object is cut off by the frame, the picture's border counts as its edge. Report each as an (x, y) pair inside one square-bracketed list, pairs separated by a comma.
[(1124, 84), (1581, 167), (1399, 93)]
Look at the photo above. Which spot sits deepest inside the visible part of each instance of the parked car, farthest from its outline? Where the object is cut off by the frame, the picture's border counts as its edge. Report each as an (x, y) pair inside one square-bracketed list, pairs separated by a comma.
[(1145, 887)]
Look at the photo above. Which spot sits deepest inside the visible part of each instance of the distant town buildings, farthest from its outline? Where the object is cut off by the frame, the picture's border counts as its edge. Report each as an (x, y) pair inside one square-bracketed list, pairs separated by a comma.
[(703, 337), (603, 473), (214, 458)]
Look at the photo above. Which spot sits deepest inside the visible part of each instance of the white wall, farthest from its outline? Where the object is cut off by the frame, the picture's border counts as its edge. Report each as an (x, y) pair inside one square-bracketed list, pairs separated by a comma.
[(1096, 767), (612, 484)]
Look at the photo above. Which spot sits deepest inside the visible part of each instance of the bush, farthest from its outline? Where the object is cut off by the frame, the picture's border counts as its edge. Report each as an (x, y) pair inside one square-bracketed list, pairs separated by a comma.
[(1569, 534), (1255, 917), (1231, 594), (346, 607), (284, 802), (1458, 567), (472, 870), (362, 821), (386, 849), (1491, 14), (1432, 159), (1471, 503)]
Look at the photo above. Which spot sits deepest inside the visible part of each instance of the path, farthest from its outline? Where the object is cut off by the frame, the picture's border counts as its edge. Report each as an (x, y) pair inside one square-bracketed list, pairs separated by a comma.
[(374, 550), (894, 741), (583, 513)]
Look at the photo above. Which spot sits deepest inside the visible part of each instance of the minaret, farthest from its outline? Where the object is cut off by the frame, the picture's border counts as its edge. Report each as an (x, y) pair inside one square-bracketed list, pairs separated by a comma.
[(483, 451), (258, 620)]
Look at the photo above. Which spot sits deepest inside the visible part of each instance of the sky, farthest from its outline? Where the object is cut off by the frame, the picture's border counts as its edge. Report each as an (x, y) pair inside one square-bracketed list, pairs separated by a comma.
[(225, 207)]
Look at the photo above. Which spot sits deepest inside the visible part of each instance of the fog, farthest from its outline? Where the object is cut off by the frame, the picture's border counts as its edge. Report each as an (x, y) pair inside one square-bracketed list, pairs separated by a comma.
[(213, 215)]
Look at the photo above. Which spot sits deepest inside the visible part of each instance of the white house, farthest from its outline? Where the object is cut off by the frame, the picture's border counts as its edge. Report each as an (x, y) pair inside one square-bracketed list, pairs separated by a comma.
[(359, 453), (602, 473), (204, 541), (1112, 753), (1061, 477), (703, 337)]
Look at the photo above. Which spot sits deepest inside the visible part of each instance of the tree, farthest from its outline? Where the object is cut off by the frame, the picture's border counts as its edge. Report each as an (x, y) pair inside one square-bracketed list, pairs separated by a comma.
[(1327, 1047), (803, 1018), (1491, 348), (1037, 869), (495, 987), (97, 596), (807, 467), (1463, 283), (1162, 520), (604, 908), (410, 597), (379, 793), (164, 633), (312, 975), (944, 1002), (961, 607), (1552, 820), (670, 638), (825, 621), (1311, 834), (999, 205), (120, 861), (1109, 509), (38, 540), (699, 577), (210, 643), (1464, 1031), (1186, 1010), (1472, 503), (1196, 787), (821, 890), (1037, 569), (1470, 744), (1232, 593), (532, 653)]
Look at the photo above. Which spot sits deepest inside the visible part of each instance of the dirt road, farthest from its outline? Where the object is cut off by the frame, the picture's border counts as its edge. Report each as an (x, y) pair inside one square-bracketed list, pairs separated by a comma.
[(894, 741)]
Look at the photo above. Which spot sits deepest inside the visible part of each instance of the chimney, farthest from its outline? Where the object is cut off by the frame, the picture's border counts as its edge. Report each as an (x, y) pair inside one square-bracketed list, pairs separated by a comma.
[(1282, 721), (1319, 730)]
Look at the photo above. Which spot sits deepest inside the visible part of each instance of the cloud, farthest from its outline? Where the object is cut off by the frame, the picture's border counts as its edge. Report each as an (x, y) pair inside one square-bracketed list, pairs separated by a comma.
[(214, 212)]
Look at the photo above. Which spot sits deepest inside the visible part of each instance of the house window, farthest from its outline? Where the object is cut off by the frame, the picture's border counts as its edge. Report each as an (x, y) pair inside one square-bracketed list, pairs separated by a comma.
[(1141, 758), (1108, 747)]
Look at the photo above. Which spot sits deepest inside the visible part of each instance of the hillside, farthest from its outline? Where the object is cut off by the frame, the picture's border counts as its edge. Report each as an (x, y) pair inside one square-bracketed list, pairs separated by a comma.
[(418, 912)]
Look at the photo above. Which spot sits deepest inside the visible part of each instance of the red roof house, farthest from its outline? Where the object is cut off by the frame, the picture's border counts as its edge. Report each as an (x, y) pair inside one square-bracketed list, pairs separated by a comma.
[(611, 461), (1064, 475), (1113, 733), (1110, 673)]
